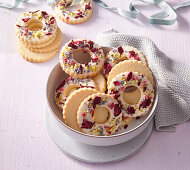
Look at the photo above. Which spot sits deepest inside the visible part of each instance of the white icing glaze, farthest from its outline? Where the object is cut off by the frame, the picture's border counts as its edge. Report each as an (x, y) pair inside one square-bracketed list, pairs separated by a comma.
[(62, 9), (68, 63), (121, 81), (49, 27), (86, 111), (60, 93), (116, 55)]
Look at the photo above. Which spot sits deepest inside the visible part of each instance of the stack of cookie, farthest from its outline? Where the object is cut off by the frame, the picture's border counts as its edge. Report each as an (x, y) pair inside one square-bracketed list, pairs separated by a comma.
[(82, 97), (38, 35)]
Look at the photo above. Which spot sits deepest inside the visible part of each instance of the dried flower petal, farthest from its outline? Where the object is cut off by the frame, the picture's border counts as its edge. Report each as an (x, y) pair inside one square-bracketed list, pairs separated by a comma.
[(107, 68), (130, 110), (126, 126), (116, 83), (94, 50), (132, 54), (60, 85), (87, 6), (120, 49), (96, 101), (81, 69), (94, 59), (117, 110), (49, 33), (129, 76), (25, 19), (44, 13), (111, 105), (145, 103), (87, 124), (72, 45), (144, 89)]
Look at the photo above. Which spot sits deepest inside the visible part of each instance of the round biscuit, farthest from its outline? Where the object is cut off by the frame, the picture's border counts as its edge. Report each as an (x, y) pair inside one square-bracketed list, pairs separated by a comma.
[(129, 65), (71, 106), (34, 57), (55, 44), (100, 82)]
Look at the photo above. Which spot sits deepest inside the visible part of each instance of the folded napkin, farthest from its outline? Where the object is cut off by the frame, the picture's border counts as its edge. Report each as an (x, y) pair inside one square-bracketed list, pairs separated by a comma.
[(173, 79)]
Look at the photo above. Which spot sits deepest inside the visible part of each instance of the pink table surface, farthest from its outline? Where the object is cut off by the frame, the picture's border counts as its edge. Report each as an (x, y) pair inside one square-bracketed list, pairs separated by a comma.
[(24, 142)]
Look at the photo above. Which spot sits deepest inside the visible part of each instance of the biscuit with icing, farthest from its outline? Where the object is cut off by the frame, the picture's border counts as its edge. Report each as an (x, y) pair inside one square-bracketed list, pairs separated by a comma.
[(54, 45), (88, 116), (120, 54), (79, 16), (68, 86), (138, 80)]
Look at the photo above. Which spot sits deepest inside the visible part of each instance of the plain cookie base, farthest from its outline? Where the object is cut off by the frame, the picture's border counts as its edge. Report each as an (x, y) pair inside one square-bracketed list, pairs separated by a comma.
[(76, 21), (71, 106), (52, 46), (100, 82), (129, 65), (45, 44), (34, 57)]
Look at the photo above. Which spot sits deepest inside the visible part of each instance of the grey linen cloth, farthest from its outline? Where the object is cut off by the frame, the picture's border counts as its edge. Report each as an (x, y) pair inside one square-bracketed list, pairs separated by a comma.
[(173, 79)]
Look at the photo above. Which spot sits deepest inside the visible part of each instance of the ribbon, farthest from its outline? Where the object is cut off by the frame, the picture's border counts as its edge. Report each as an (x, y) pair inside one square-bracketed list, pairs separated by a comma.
[(17, 3), (167, 16), (154, 19)]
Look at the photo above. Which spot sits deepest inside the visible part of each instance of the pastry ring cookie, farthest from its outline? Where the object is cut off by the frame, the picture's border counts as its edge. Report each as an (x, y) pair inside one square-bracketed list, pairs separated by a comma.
[(75, 69), (86, 115), (122, 53), (47, 31), (69, 85), (81, 15), (123, 80)]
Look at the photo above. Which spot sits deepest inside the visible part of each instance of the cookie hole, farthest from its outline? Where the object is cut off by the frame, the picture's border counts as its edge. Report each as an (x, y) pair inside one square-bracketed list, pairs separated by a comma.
[(101, 115), (35, 25), (131, 95), (70, 90), (81, 57), (73, 8)]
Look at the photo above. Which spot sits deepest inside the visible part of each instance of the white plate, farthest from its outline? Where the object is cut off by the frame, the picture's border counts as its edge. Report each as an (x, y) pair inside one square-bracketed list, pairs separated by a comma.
[(94, 154)]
